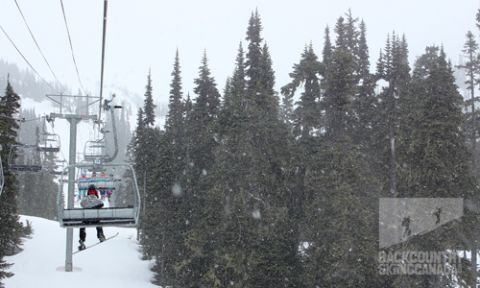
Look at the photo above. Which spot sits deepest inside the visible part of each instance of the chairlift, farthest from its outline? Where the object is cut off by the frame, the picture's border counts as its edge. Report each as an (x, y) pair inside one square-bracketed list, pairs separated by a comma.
[(24, 158), (57, 169), (94, 149), (49, 142), (124, 215)]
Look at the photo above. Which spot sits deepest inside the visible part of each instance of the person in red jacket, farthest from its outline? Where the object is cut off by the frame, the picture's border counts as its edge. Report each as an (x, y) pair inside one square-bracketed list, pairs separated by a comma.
[(92, 191)]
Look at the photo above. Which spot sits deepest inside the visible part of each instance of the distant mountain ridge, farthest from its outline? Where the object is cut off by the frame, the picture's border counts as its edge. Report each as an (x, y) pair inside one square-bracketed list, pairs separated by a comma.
[(26, 83)]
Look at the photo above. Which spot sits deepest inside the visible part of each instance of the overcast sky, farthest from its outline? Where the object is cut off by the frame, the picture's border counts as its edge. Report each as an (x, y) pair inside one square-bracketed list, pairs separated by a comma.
[(144, 34)]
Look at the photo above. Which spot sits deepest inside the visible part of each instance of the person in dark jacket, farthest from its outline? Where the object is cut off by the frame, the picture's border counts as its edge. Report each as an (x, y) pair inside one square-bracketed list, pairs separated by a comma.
[(92, 191)]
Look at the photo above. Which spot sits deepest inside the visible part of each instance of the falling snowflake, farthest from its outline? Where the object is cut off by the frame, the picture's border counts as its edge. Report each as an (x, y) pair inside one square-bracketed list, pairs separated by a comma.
[(256, 214), (177, 190)]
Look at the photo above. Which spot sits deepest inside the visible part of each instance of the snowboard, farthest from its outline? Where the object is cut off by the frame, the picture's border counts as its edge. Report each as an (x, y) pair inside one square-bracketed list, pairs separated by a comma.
[(95, 244)]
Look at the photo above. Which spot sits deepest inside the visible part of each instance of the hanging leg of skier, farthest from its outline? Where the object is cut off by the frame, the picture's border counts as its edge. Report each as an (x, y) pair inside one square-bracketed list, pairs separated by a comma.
[(83, 236), (100, 234)]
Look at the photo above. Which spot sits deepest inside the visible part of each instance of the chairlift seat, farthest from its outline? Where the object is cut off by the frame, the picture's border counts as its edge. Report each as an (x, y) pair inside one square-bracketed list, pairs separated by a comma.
[(79, 217), (25, 168), (93, 157), (96, 169), (49, 149)]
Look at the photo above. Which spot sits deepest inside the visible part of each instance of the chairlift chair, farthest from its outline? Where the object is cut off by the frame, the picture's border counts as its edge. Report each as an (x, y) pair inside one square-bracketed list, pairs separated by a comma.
[(56, 172), (24, 158), (49, 142), (57, 169), (93, 150), (126, 215)]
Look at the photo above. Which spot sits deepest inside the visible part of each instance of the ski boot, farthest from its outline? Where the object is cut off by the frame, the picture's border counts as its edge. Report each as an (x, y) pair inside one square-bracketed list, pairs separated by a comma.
[(101, 237), (82, 245)]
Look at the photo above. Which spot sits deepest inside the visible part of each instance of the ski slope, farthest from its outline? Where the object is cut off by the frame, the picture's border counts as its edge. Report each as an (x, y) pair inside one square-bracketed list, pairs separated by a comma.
[(115, 263)]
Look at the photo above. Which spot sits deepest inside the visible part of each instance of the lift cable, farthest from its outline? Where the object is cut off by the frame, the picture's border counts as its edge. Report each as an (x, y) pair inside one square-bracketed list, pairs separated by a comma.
[(22, 119), (71, 47), (24, 58), (104, 34), (35, 41), (32, 119)]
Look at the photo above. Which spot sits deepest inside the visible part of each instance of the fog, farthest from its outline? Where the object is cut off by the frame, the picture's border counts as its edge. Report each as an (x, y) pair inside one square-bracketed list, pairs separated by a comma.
[(143, 35)]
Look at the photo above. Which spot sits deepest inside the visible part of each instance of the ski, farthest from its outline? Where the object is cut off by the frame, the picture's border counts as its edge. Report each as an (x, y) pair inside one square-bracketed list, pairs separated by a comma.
[(95, 244)]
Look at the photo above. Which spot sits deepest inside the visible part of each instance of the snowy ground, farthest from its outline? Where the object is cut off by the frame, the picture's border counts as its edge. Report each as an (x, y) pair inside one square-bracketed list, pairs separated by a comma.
[(115, 263)]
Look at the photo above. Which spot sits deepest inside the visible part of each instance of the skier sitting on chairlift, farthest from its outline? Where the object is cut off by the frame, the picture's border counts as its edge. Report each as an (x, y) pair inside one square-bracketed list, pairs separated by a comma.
[(92, 201)]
